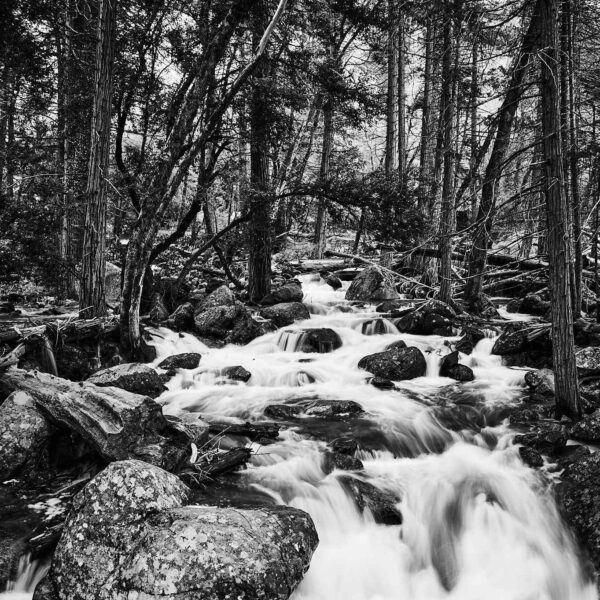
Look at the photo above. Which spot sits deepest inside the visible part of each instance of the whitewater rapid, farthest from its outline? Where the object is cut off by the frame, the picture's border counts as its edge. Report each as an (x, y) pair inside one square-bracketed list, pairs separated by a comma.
[(477, 522)]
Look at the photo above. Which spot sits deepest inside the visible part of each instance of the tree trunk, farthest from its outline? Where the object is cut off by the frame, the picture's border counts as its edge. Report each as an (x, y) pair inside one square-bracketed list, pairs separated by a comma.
[(424, 151), (259, 260), (559, 244), (321, 224), (391, 138), (495, 166), (447, 110), (401, 100), (92, 302)]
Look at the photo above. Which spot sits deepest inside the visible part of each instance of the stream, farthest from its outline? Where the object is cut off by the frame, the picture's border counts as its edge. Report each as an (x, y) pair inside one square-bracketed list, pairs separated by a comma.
[(477, 522)]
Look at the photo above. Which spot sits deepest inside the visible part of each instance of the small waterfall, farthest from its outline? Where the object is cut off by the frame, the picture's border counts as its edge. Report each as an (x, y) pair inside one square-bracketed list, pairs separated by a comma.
[(477, 523), (378, 327), (30, 573), (291, 341)]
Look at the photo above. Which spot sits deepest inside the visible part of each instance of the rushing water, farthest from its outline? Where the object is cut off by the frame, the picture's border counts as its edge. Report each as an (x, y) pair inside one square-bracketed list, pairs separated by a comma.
[(477, 523)]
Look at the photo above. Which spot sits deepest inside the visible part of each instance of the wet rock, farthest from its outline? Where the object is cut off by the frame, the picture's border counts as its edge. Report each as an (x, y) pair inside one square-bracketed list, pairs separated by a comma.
[(325, 409), (342, 462), (6, 308), (24, 435), (232, 323), (382, 383), (182, 319), (531, 457), (222, 296), (588, 361), (437, 307), (545, 437), (448, 361), (409, 323), (586, 429), (460, 373), (382, 505), (396, 345), (587, 332), (188, 428), (289, 292), (344, 445), (470, 338), (510, 342), (590, 392), (130, 537), (11, 551), (133, 377), (73, 362), (393, 306), (333, 281), (533, 304), (371, 285), (577, 496), (186, 360), (541, 384), (397, 364), (285, 313), (567, 455), (320, 340), (236, 373)]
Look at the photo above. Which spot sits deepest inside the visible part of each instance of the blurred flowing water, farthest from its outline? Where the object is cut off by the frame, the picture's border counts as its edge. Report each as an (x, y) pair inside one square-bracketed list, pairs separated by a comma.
[(477, 522)]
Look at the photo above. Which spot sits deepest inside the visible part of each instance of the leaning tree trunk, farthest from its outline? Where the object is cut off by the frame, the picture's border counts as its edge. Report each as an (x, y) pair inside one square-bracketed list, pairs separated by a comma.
[(321, 224), (559, 243), (495, 166), (92, 302)]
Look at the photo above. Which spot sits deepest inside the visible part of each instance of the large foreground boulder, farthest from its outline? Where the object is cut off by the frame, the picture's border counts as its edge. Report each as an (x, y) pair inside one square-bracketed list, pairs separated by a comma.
[(133, 377), (372, 285), (395, 364), (285, 313), (130, 536), (24, 434)]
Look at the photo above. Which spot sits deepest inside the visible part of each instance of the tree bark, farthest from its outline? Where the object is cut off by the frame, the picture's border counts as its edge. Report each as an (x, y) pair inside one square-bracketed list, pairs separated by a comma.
[(391, 139), (559, 244), (92, 302), (259, 259), (495, 166)]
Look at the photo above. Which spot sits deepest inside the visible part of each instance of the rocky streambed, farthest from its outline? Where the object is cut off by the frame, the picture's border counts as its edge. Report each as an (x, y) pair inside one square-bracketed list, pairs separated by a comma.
[(385, 455)]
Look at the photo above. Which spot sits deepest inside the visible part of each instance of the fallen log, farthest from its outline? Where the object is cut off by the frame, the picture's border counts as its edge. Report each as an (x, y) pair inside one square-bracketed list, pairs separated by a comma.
[(117, 424), (252, 431), (214, 463)]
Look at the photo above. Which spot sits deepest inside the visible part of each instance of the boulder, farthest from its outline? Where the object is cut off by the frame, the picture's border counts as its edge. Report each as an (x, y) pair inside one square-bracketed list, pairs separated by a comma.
[(186, 360), (531, 457), (396, 345), (324, 409), (470, 338), (437, 307), (510, 342), (381, 504), (533, 304), (24, 435), (344, 445), (540, 383), (545, 437), (396, 364), (341, 462), (182, 318), (289, 292), (409, 323), (588, 360), (449, 367), (320, 340), (577, 496), (372, 285), (586, 429), (129, 536), (73, 362), (435, 324), (236, 373), (382, 384), (230, 323), (448, 361), (158, 311), (285, 313), (222, 296), (245, 329), (333, 281), (133, 377)]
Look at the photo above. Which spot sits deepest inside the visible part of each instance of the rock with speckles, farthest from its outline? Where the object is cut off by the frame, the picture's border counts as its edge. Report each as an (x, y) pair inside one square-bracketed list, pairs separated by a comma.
[(132, 377), (24, 434), (130, 537)]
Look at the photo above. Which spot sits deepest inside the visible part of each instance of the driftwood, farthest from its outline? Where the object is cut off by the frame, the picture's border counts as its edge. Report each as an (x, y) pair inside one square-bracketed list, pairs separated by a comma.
[(115, 423), (252, 431), (214, 463), (69, 331)]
